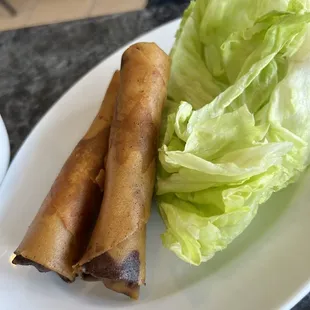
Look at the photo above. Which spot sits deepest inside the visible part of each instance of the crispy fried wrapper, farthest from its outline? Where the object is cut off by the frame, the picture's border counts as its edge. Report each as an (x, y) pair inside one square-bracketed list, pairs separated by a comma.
[(60, 232), (116, 252)]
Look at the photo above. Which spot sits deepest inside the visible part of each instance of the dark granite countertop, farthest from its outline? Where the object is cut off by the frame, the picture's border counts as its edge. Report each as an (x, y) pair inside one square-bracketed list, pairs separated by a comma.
[(38, 64)]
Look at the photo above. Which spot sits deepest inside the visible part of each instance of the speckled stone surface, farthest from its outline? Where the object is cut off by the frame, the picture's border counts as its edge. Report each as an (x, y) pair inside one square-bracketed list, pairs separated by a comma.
[(38, 64)]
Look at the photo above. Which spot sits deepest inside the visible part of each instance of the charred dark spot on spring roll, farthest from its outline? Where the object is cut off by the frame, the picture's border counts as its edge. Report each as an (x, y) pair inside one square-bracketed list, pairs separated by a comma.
[(122, 268), (20, 260), (116, 252), (104, 266), (60, 232)]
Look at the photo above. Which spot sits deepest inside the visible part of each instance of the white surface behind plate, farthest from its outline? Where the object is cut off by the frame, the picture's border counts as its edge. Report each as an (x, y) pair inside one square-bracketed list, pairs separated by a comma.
[(267, 267)]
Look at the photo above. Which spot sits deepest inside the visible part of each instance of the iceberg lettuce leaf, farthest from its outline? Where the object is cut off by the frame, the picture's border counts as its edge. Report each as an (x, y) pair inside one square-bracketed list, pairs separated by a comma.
[(236, 125)]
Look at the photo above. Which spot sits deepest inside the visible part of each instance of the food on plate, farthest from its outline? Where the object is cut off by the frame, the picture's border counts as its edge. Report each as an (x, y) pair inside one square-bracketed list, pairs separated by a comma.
[(116, 252), (60, 232), (117, 156), (236, 124)]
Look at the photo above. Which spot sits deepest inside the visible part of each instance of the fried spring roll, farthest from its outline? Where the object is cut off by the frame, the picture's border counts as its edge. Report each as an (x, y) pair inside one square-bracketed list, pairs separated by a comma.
[(60, 232), (116, 253)]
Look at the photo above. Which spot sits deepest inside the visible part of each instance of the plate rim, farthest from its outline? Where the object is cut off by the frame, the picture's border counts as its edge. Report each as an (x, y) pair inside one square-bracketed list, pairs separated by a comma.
[(7, 150)]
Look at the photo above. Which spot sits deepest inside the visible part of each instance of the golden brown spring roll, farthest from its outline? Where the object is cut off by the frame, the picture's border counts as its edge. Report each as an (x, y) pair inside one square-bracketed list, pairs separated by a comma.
[(116, 253), (60, 232)]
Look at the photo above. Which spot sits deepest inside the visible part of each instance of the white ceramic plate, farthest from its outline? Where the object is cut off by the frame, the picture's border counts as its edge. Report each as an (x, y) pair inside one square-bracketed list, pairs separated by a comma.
[(267, 267), (4, 150)]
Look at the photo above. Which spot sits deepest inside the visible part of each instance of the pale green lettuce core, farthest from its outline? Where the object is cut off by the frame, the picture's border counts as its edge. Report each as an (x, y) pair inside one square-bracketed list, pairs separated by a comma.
[(236, 124)]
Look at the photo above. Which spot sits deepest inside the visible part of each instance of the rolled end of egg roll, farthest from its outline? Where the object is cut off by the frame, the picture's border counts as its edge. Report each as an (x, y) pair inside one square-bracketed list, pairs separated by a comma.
[(121, 269), (60, 232), (116, 252)]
